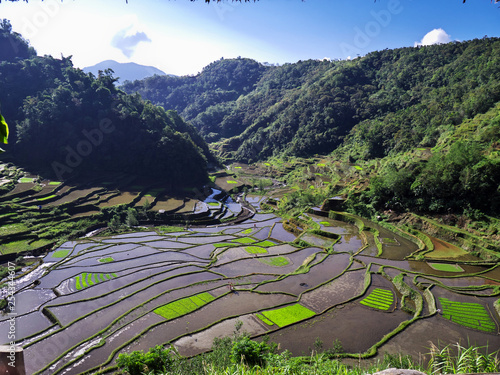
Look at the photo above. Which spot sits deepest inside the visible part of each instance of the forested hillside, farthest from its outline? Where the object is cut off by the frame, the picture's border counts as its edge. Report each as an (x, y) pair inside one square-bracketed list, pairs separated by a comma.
[(65, 122), (385, 102)]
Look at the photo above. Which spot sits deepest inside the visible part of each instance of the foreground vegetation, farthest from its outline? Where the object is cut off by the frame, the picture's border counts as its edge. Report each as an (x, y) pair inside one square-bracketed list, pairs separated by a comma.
[(241, 356)]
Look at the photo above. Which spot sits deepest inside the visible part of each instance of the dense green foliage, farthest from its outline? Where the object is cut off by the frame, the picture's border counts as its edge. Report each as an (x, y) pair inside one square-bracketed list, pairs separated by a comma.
[(67, 122), (206, 99), (449, 181), (386, 102), (242, 356)]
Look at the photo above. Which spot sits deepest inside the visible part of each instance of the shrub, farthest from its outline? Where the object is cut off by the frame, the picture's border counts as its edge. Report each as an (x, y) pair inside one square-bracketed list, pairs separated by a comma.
[(133, 363), (156, 361), (248, 351)]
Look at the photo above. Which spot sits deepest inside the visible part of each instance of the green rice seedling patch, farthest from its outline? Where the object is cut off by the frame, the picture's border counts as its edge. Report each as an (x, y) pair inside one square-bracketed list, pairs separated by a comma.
[(106, 260), (214, 204), (183, 306), (265, 243), (468, 314), (224, 244), (244, 240), (264, 319), (61, 254), (358, 167), (46, 198), (255, 250), (24, 180), (288, 315), (87, 279), (231, 182), (380, 299), (321, 165), (205, 297), (319, 174), (54, 183), (446, 267), (78, 285), (247, 231), (267, 164), (237, 167), (278, 261), (325, 223)]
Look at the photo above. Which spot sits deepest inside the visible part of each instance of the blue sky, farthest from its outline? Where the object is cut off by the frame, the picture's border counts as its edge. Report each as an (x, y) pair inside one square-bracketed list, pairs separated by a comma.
[(181, 37)]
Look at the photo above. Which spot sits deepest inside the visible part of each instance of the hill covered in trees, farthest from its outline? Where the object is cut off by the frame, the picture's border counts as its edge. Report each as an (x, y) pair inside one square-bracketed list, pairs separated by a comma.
[(65, 122), (440, 99), (388, 101)]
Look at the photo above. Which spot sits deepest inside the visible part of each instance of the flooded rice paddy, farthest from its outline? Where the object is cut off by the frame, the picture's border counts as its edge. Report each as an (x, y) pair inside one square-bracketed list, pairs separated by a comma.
[(93, 299)]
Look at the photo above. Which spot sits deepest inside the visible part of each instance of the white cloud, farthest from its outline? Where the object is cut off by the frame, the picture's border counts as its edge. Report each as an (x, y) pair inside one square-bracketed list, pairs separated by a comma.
[(436, 36)]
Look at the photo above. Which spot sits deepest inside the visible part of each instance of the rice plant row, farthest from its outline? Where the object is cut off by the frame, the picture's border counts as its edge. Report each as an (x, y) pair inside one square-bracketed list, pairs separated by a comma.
[(85, 279), (184, 306), (467, 314), (380, 299), (264, 319)]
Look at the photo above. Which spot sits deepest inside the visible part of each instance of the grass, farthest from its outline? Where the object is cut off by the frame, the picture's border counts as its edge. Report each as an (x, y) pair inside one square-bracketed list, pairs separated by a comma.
[(61, 253), (468, 314), (12, 228), (245, 240), (380, 299), (106, 260), (457, 359), (278, 261), (15, 247), (446, 267), (288, 315), (255, 250), (184, 306), (85, 279), (265, 243)]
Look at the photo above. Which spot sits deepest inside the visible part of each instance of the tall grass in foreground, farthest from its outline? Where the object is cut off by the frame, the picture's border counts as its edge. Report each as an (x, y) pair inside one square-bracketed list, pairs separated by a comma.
[(462, 360)]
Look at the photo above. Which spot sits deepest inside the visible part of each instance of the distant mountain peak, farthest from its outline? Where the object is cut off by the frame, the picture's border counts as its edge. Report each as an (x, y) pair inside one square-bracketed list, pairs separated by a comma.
[(125, 71)]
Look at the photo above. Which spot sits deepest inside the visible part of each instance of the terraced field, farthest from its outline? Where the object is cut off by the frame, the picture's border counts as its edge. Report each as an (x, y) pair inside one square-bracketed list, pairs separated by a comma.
[(91, 299)]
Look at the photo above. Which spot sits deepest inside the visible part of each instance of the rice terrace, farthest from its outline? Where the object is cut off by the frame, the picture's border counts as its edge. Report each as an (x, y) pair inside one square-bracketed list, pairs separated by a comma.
[(322, 275)]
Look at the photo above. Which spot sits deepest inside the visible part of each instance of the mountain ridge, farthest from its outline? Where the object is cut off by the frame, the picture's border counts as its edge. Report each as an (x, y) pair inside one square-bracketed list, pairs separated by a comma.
[(125, 71), (387, 101)]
